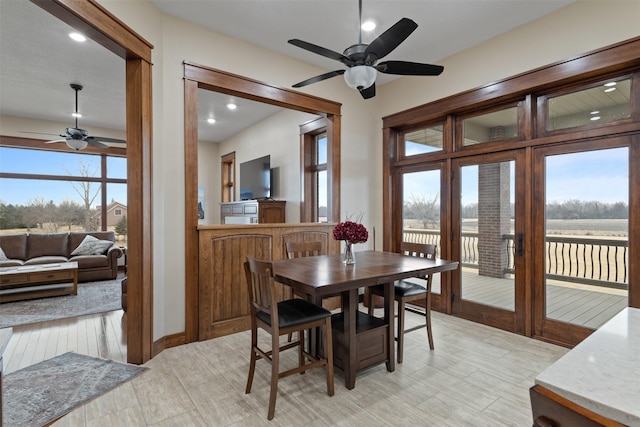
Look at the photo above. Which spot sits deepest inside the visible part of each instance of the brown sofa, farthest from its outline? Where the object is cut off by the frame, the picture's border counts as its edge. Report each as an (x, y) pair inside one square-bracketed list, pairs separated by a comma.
[(29, 249)]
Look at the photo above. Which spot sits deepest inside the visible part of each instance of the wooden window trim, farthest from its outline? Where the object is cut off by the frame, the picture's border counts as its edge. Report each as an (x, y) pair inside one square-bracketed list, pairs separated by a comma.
[(202, 77), (227, 177)]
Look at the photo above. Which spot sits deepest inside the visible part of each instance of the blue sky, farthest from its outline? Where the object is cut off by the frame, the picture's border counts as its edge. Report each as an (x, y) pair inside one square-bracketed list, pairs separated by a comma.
[(597, 175), (19, 191)]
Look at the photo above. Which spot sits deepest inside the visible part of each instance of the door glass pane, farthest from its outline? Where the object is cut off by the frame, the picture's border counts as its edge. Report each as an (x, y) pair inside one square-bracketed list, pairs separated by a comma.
[(586, 237), (421, 212), (486, 234)]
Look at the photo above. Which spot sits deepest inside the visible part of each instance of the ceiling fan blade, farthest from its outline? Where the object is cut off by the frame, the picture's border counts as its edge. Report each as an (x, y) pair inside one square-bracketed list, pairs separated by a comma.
[(406, 68), (369, 92), (39, 133), (390, 39), (95, 143), (56, 140), (319, 78), (321, 51), (91, 139)]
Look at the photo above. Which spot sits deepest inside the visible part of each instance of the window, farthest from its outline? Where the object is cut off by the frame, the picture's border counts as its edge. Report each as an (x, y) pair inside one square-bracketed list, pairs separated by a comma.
[(494, 126), (422, 141), (227, 178), (315, 206), (608, 101), (49, 191), (320, 171)]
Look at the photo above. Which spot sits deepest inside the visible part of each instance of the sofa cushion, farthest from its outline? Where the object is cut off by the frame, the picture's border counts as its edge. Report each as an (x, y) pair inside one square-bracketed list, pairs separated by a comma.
[(47, 245), (75, 238), (92, 246), (11, 263), (90, 261), (45, 260), (14, 246)]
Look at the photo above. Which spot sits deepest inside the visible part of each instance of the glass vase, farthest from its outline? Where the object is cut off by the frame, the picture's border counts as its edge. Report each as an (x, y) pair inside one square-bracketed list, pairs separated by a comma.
[(349, 256)]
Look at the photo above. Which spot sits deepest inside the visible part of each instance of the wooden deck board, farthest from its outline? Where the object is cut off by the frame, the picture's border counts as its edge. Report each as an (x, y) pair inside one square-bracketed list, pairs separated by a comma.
[(566, 301)]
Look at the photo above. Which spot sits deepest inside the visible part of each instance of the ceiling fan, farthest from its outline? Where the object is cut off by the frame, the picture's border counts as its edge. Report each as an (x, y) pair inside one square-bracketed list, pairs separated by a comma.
[(77, 138), (361, 59)]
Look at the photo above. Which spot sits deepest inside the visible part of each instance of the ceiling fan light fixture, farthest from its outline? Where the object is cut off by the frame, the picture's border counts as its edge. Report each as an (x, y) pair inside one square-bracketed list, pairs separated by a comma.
[(360, 77), (77, 144), (368, 25)]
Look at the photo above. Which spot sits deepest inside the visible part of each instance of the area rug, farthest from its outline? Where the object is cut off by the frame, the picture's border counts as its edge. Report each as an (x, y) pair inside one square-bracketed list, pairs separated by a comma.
[(40, 394), (93, 297)]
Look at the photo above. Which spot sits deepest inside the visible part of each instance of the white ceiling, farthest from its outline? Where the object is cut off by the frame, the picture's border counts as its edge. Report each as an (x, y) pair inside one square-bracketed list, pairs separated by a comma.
[(38, 61)]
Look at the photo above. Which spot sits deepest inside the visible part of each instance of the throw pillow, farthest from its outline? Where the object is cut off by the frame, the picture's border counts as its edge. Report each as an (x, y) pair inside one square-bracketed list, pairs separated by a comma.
[(92, 246), (3, 257)]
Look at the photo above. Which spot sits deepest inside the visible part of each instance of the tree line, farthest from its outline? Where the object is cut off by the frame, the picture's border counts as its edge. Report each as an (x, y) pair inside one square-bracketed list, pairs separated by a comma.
[(427, 210), (46, 215)]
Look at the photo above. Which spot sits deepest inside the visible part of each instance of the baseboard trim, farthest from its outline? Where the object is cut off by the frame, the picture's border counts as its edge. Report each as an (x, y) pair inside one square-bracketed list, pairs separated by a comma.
[(168, 341)]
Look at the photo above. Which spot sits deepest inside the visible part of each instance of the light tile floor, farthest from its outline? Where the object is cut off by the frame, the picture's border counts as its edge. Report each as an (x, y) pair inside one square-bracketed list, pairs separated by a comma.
[(476, 376)]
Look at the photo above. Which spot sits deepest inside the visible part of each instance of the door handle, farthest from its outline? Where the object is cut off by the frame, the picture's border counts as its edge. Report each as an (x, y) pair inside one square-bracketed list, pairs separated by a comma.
[(519, 245)]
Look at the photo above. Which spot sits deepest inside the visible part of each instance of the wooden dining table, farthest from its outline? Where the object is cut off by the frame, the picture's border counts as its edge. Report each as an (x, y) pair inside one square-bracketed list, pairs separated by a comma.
[(360, 340)]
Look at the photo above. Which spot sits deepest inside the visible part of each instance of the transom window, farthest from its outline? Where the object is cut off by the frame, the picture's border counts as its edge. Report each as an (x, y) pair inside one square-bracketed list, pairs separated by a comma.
[(607, 101)]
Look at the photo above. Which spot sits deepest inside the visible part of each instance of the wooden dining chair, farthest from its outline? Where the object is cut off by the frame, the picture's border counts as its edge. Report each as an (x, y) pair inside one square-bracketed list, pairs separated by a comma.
[(280, 318), (406, 291), (300, 250)]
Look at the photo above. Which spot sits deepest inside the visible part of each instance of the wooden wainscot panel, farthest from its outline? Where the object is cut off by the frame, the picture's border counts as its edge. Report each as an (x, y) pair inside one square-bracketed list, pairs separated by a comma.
[(223, 298)]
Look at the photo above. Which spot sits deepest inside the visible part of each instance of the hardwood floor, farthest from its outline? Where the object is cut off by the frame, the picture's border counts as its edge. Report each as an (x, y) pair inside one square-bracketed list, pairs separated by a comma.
[(476, 376), (98, 335)]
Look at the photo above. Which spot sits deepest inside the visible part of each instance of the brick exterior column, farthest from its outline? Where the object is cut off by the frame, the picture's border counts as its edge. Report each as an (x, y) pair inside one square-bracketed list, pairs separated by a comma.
[(493, 217)]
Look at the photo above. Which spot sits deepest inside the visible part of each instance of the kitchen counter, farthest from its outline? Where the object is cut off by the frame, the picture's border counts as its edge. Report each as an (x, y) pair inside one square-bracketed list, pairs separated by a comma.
[(602, 373)]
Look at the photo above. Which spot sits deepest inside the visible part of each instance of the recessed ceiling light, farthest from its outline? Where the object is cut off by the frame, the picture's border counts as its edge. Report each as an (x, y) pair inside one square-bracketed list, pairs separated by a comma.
[(611, 89), (231, 106), (610, 84), (594, 118), (594, 112), (368, 25), (211, 120), (76, 115), (78, 37)]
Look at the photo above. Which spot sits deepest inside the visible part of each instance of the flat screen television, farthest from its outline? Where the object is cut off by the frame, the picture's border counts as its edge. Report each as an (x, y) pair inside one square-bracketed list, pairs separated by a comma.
[(255, 179)]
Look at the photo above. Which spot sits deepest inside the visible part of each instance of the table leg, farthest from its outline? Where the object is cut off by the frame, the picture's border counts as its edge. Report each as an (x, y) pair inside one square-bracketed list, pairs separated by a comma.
[(389, 318), (350, 306), (313, 335), (75, 281)]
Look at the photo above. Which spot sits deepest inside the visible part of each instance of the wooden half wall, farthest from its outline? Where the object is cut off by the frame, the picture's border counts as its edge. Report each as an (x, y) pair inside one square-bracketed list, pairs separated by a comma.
[(223, 294)]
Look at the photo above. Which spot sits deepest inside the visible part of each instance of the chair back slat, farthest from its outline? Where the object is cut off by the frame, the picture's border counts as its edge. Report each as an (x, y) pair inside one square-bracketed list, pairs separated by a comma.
[(421, 250), (303, 249), (261, 285)]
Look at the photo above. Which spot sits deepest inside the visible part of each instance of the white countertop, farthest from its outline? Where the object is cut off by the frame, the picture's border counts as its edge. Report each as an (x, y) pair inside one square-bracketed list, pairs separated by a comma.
[(602, 373)]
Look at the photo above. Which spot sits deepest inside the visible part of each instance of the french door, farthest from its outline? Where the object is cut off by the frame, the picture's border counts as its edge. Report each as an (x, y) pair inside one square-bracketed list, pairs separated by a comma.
[(581, 237), (489, 200)]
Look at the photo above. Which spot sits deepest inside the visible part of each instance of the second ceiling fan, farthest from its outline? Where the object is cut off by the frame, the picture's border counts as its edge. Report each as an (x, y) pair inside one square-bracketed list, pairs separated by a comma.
[(78, 139), (361, 59)]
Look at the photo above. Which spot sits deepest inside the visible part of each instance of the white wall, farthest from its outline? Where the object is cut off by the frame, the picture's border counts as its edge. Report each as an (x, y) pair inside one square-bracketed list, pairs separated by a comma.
[(209, 179), (581, 27)]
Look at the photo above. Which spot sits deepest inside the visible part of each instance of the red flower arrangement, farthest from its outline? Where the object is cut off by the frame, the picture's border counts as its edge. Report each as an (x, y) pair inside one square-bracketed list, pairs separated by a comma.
[(352, 232)]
